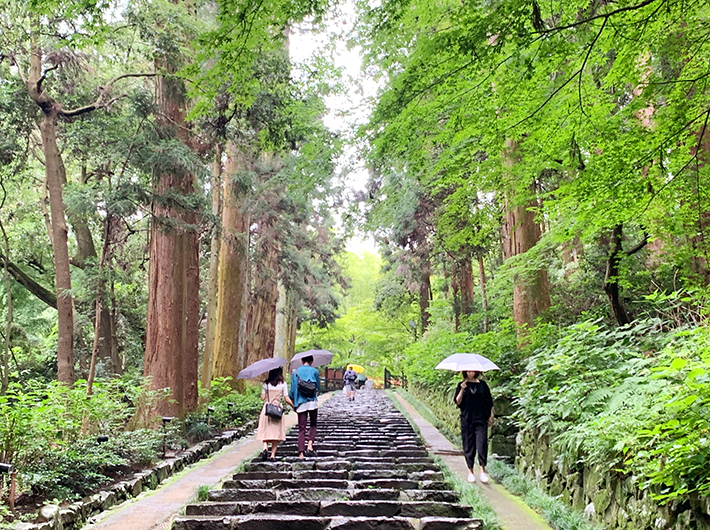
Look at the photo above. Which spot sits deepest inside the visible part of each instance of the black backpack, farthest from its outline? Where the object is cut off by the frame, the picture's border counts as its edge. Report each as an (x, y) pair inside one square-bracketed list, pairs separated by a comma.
[(306, 388)]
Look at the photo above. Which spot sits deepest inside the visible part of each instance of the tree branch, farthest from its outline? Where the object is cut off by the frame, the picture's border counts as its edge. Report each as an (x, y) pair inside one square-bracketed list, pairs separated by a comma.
[(99, 103), (41, 292), (595, 17), (639, 246)]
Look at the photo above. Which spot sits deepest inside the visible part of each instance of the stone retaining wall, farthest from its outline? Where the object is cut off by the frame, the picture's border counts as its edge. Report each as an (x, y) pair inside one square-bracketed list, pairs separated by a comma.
[(607, 497), (76, 515)]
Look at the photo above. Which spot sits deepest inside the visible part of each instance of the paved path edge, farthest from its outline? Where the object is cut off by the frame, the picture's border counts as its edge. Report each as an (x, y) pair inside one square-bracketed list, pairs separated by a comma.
[(513, 513)]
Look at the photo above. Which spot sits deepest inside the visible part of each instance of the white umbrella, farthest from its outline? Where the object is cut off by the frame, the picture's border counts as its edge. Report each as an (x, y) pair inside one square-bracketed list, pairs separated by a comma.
[(467, 361), (320, 357), (261, 367)]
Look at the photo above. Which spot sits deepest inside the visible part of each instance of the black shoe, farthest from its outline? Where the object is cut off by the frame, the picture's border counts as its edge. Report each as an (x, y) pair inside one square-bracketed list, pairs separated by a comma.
[(310, 453), (272, 459), (264, 455)]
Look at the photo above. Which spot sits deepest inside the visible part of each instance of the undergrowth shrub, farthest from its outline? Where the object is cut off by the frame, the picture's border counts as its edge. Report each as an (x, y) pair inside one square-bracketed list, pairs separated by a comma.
[(635, 400), (49, 431)]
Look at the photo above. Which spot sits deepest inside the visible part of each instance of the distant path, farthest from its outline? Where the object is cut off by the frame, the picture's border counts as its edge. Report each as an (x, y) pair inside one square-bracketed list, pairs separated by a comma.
[(513, 513), (155, 510)]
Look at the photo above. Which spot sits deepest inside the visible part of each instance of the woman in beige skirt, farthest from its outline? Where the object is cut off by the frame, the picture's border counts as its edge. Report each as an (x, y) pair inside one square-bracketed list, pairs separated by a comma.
[(270, 430)]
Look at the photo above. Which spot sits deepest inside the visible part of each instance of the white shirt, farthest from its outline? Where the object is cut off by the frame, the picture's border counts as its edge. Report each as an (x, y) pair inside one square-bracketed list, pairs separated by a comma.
[(273, 392)]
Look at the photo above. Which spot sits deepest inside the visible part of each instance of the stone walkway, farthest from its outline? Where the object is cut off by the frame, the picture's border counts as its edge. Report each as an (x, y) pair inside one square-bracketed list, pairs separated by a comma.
[(513, 513), (155, 510), (372, 471)]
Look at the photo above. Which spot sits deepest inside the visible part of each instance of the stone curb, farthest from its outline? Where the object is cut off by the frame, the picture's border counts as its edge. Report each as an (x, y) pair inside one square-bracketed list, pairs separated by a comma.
[(74, 516)]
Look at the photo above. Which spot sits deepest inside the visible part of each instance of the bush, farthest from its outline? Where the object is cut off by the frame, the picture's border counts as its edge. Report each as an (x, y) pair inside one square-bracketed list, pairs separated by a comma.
[(76, 469)]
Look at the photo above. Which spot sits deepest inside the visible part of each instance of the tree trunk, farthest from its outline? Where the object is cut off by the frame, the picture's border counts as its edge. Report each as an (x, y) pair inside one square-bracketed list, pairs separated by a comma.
[(41, 292), (230, 330), (456, 296), (5, 379), (85, 248), (208, 355), (65, 312), (465, 274), (261, 334), (281, 324), (191, 310), (611, 278), (484, 297), (424, 297), (521, 232), (170, 355), (100, 309)]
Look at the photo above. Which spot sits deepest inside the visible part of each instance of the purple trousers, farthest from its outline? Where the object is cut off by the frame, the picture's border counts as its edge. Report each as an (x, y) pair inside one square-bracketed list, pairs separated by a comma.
[(302, 418)]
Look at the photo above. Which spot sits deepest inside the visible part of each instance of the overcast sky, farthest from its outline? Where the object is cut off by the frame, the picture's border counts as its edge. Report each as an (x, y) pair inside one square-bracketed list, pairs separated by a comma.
[(345, 111)]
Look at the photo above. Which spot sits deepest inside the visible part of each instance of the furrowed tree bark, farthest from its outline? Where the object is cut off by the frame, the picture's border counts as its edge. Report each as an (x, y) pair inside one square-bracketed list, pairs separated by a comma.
[(171, 356), (465, 273), (281, 324), (424, 297), (191, 309), (230, 331), (521, 232), (212, 286), (261, 335), (484, 297)]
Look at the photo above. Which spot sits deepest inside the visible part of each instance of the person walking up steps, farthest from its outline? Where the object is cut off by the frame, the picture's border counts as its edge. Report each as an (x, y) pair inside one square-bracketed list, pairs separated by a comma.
[(349, 378), (305, 385), (272, 430), (474, 399)]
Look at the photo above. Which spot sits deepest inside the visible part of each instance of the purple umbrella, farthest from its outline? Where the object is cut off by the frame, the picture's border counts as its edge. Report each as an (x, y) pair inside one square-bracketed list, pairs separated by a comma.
[(261, 367), (320, 357)]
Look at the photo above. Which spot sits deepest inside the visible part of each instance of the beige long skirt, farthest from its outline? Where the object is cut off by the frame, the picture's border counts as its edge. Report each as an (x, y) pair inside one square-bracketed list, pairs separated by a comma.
[(270, 429)]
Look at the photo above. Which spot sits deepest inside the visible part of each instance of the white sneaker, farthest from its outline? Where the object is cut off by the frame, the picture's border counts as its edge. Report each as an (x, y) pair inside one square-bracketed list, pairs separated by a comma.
[(471, 477), (484, 478)]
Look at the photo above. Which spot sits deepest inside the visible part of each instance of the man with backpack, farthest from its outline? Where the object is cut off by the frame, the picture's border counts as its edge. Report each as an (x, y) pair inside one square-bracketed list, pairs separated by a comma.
[(349, 378), (305, 385)]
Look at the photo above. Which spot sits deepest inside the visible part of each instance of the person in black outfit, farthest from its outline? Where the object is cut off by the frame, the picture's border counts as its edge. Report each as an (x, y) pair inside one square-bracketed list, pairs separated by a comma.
[(474, 399)]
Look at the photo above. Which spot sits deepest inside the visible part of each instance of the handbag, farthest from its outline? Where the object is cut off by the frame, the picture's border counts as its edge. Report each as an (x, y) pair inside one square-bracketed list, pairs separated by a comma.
[(274, 412)]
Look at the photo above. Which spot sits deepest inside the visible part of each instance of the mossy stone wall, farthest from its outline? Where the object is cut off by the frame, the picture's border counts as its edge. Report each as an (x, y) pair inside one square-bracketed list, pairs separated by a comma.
[(608, 497)]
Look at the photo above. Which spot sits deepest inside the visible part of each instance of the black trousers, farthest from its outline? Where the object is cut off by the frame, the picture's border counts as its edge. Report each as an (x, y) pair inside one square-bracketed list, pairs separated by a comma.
[(475, 440)]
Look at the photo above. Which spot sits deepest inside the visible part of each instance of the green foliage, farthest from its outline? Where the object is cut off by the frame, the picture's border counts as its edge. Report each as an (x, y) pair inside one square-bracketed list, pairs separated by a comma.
[(675, 450), (632, 400), (203, 493), (362, 335), (230, 409), (76, 469)]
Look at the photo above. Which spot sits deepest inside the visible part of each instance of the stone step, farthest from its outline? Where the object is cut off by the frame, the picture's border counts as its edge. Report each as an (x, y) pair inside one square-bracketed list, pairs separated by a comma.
[(333, 494), (286, 484), (295, 522), (334, 508), (340, 474), (375, 474)]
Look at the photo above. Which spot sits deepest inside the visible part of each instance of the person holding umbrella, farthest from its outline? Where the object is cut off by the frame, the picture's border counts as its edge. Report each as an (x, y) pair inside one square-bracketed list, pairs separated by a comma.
[(305, 385), (474, 399), (271, 428)]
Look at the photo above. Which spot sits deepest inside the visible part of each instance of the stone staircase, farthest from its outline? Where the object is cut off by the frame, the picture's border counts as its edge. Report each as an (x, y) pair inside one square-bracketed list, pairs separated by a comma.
[(371, 472)]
